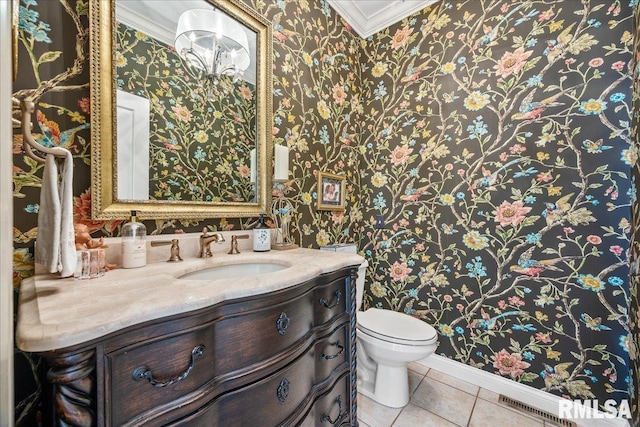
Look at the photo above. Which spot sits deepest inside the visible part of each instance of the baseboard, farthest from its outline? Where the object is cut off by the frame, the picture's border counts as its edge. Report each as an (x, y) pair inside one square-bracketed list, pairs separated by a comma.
[(540, 399)]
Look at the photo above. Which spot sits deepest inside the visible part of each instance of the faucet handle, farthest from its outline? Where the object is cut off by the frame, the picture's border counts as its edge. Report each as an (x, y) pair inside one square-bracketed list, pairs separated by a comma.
[(175, 248), (205, 231), (234, 243)]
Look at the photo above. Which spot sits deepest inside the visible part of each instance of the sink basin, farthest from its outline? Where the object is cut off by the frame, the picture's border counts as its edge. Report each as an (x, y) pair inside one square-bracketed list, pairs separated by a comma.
[(233, 271)]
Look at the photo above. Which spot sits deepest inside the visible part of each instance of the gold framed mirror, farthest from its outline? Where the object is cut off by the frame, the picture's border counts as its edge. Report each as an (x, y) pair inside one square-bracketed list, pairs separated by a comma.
[(208, 139)]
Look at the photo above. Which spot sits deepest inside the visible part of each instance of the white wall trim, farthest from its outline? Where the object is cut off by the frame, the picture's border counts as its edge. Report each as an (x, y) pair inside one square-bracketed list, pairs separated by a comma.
[(385, 16), (540, 399), (6, 220)]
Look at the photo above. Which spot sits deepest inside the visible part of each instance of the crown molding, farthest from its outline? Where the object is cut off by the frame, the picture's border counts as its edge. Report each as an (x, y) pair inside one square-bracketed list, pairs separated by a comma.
[(367, 23)]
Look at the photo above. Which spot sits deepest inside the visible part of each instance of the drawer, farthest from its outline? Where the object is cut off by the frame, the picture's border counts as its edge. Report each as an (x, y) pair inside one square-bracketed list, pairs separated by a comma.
[(268, 402), (332, 408), (331, 352), (162, 360), (330, 300), (260, 334)]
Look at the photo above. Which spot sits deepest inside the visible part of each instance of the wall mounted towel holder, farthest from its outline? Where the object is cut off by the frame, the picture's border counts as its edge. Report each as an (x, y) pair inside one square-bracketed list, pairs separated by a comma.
[(29, 143)]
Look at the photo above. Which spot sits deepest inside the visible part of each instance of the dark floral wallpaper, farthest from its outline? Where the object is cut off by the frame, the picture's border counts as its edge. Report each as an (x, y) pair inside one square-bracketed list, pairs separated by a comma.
[(500, 156), (492, 136), (201, 136)]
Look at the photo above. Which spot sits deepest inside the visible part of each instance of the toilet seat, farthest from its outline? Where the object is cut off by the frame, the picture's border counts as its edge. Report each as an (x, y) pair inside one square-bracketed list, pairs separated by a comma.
[(394, 327)]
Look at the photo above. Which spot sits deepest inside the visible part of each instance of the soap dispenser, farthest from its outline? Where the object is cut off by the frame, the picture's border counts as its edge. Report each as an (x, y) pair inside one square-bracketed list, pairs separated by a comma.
[(261, 236), (134, 244)]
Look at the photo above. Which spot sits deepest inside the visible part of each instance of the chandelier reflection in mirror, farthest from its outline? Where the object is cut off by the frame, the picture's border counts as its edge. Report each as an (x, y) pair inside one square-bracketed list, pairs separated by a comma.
[(212, 45)]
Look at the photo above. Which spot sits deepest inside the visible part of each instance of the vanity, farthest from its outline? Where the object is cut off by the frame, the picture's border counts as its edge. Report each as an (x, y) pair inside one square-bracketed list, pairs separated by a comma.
[(226, 346)]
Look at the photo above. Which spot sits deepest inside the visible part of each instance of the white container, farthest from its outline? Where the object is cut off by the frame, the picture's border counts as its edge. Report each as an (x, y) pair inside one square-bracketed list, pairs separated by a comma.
[(134, 244), (261, 236)]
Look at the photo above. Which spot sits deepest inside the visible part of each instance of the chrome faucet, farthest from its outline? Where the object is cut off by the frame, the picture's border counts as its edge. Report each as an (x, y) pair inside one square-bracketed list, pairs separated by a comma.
[(205, 241)]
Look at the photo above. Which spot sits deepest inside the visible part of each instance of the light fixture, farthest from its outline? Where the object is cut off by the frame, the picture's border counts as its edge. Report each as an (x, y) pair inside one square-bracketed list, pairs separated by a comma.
[(212, 44)]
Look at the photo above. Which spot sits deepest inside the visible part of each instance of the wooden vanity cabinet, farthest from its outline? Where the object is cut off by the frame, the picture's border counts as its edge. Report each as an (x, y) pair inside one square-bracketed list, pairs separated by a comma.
[(285, 358)]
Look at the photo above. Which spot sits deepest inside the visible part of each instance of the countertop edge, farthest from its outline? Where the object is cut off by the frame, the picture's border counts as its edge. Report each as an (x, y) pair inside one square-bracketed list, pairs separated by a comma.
[(34, 335)]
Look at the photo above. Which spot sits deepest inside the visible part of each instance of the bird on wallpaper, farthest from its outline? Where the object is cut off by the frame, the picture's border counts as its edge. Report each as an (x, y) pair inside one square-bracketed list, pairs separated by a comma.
[(489, 178), (556, 48), (593, 324), (531, 110), (490, 32), (169, 143), (554, 212), (532, 267), (388, 128), (556, 375), (412, 194), (487, 322)]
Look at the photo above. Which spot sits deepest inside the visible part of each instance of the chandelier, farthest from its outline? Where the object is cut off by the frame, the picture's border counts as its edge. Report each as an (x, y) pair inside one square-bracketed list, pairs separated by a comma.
[(212, 45)]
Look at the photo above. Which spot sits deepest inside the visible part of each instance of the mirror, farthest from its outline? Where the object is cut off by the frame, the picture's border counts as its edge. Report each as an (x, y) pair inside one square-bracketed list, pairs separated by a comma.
[(168, 139)]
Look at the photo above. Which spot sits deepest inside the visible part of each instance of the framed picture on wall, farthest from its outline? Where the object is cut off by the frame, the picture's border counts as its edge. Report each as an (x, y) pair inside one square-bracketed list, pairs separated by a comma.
[(330, 192)]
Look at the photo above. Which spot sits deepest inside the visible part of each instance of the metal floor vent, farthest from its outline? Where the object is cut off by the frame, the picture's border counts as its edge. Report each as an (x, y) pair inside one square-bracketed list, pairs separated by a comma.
[(523, 407)]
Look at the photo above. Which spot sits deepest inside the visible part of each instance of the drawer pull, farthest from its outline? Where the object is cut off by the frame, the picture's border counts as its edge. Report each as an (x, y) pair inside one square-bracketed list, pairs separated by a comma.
[(326, 417), (283, 323), (283, 390), (333, 356), (143, 372), (337, 295)]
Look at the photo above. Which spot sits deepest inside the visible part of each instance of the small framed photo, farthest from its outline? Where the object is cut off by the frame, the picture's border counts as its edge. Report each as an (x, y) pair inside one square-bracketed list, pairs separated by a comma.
[(330, 192)]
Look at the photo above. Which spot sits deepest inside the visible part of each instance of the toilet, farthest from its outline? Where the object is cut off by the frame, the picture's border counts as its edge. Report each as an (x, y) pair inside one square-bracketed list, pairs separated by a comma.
[(387, 341)]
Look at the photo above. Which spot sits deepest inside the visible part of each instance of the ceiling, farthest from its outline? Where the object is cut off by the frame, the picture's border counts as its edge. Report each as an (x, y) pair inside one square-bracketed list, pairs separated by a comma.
[(367, 17)]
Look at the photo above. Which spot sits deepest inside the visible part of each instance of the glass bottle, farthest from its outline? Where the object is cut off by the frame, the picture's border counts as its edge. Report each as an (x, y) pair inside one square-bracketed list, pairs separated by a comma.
[(261, 236), (134, 243)]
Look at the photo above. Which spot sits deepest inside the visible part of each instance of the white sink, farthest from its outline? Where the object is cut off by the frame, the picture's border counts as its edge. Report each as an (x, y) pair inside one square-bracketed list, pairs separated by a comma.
[(233, 271)]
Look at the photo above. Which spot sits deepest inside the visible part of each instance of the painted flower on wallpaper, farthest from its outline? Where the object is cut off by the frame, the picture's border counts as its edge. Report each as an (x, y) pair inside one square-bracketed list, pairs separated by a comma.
[(511, 213), (401, 37), (474, 240), (509, 363), (590, 282), (182, 113), (400, 271), (339, 94), (476, 100), (400, 155), (379, 69), (512, 62)]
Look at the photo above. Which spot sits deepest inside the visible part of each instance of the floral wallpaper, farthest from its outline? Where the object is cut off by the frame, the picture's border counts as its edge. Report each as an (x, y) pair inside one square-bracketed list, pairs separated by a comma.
[(201, 136), (500, 156), (491, 137)]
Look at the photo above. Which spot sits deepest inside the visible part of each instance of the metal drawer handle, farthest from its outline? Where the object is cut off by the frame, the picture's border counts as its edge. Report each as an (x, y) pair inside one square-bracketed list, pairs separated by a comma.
[(341, 414), (336, 344), (337, 294), (143, 372), (283, 323)]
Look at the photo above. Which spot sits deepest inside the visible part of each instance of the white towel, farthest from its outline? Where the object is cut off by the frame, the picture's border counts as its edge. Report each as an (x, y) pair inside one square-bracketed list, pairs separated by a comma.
[(55, 246)]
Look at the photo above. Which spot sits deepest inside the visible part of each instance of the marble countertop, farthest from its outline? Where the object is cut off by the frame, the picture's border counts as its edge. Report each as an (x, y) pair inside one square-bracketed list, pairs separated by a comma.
[(55, 313)]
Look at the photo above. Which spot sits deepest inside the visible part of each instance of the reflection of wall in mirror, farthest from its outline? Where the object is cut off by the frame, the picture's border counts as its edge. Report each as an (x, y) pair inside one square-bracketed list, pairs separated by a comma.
[(199, 149), (133, 147)]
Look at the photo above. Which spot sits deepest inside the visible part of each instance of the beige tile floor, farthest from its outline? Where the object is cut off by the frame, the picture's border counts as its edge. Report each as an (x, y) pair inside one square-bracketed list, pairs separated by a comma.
[(439, 400)]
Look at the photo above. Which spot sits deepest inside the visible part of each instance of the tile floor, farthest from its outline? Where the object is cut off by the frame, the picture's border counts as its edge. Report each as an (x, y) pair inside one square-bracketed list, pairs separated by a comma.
[(439, 400)]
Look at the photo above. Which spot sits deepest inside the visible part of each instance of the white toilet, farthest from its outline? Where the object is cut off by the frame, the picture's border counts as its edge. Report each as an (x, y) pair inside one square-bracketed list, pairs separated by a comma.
[(387, 341)]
